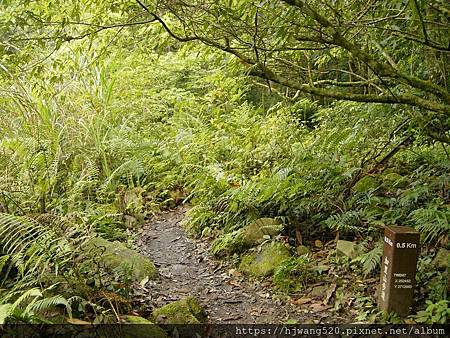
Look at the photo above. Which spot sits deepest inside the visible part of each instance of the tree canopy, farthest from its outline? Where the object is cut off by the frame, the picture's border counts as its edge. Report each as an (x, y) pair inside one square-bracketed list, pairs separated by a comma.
[(394, 52)]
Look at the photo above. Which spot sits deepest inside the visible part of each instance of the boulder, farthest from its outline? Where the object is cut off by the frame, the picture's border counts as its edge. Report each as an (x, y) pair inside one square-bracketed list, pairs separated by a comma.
[(116, 256), (264, 262), (184, 311), (347, 248), (367, 183), (249, 236), (442, 259), (145, 328), (302, 250)]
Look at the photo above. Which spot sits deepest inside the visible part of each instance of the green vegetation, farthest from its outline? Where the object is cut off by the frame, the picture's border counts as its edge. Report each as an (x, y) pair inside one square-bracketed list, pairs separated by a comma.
[(320, 120)]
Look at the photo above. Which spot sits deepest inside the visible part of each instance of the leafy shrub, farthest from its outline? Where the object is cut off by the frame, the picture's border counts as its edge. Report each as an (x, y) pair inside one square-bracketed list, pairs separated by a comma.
[(435, 313)]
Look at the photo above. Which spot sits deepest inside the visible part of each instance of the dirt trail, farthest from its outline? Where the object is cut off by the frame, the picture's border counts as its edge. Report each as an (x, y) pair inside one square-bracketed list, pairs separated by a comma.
[(187, 269)]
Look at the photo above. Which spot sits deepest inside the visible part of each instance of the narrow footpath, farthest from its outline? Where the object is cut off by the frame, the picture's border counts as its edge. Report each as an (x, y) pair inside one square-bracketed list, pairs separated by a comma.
[(187, 269)]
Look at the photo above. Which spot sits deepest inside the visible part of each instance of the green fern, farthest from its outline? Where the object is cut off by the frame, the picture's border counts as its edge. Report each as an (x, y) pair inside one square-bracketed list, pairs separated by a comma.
[(34, 248), (29, 306), (5, 312), (371, 260), (42, 305), (3, 260), (433, 222), (348, 221)]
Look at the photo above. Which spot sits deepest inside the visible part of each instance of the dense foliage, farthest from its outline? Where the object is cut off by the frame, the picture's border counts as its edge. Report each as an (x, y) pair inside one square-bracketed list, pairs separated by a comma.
[(99, 131)]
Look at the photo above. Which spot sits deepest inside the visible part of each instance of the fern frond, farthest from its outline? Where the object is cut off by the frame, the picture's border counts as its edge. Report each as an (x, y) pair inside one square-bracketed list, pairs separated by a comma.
[(34, 292), (372, 259), (3, 260), (91, 171), (32, 247), (45, 304), (5, 312), (432, 222)]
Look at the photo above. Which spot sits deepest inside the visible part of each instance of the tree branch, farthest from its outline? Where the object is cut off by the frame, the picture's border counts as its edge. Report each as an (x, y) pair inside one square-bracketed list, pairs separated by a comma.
[(381, 69), (407, 99)]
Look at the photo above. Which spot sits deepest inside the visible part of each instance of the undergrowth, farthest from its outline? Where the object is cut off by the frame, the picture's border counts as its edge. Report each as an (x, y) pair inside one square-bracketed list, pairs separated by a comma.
[(97, 143)]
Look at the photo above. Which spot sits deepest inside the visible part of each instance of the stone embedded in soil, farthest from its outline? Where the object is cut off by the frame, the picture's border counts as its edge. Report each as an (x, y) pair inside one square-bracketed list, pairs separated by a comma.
[(116, 256), (249, 236), (266, 261), (136, 320), (347, 248), (184, 311)]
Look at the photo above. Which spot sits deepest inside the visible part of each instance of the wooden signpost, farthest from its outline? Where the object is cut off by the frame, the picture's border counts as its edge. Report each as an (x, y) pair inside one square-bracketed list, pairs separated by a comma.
[(398, 269)]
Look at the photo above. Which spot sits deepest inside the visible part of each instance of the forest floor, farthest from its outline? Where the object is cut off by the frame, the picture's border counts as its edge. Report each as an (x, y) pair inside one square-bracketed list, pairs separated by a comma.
[(186, 268)]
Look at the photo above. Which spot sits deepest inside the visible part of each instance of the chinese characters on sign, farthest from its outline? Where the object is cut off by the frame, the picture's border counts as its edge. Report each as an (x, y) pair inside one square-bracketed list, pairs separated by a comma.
[(398, 269)]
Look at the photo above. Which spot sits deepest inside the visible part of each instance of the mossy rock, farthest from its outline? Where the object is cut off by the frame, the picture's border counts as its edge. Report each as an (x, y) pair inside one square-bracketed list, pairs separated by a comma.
[(367, 183), (347, 248), (184, 311), (143, 328), (247, 237), (116, 256), (254, 233), (266, 261), (442, 259), (394, 180)]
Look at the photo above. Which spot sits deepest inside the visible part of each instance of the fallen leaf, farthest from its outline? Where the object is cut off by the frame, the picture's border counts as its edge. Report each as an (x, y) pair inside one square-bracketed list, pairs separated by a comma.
[(144, 281), (233, 283), (236, 273), (318, 243), (319, 307), (266, 284), (301, 301)]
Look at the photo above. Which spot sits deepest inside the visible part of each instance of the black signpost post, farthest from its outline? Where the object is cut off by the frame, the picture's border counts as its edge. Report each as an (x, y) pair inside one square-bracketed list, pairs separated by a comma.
[(398, 269)]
